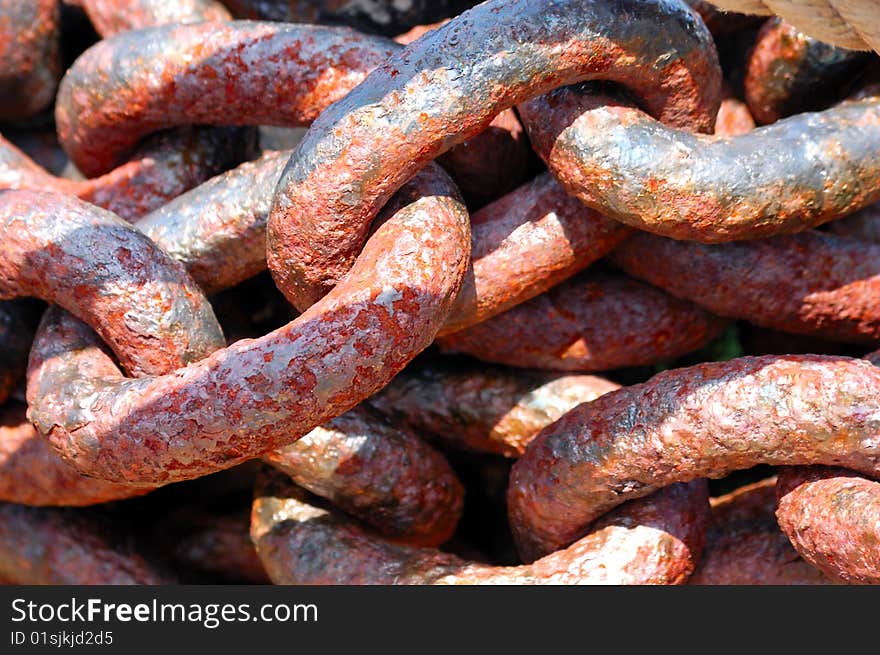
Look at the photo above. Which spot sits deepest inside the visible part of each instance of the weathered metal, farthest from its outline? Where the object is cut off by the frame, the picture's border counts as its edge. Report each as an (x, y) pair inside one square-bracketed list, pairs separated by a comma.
[(238, 73), (31, 473), (206, 73), (382, 474), (832, 516), (218, 230), (483, 408), (863, 225), (522, 244), (702, 421), (446, 87), (162, 168), (98, 267), (733, 118), (744, 545), (592, 322), (29, 59), (782, 178), (112, 16), (609, 487), (656, 540), (789, 72), (258, 395), (525, 243), (812, 283)]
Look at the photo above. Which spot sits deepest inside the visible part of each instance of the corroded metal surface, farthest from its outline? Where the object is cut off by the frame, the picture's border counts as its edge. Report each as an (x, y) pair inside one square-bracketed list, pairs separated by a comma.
[(656, 540), (418, 31), (786, 177), (258, 395), (112, 16), (744, 545), (31, 473), (98, 267), (240, 73), (482, 178), (246, 73), (144, 304), (483, 408), (29, 61), (609, 487), (208, 73), (218, 230), (382, 474), (788, 72), (525, 243), (812, 283), (522, 244), (593, 322), (57, 546), (700, 421), (832, 517), (446, 87), (161, 169)]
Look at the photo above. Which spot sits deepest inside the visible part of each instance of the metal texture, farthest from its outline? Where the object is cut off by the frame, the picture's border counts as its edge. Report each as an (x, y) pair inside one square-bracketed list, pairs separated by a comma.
[(258, 395), (492, 163), (701, 421), (744, 545), (832, 517), (31, 473), (863, 225), (98, 267), (656, 540), (112, 16), (789, 72), (592, 322), (382, 474), (218, 229), (447, 86), (162, 168), (522, 244), (733, 118), (482, 408), (525, 243), (238, 73), (783, 178), (29, 59), (207, 73), (811, 283)]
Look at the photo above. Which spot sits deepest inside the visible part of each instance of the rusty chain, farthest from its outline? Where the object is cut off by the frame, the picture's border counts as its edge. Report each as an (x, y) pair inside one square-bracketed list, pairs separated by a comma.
[(369, 348)]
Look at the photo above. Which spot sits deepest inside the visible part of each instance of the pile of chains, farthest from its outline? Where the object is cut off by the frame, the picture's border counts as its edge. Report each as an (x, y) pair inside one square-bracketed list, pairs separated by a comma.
[(314, 292)]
